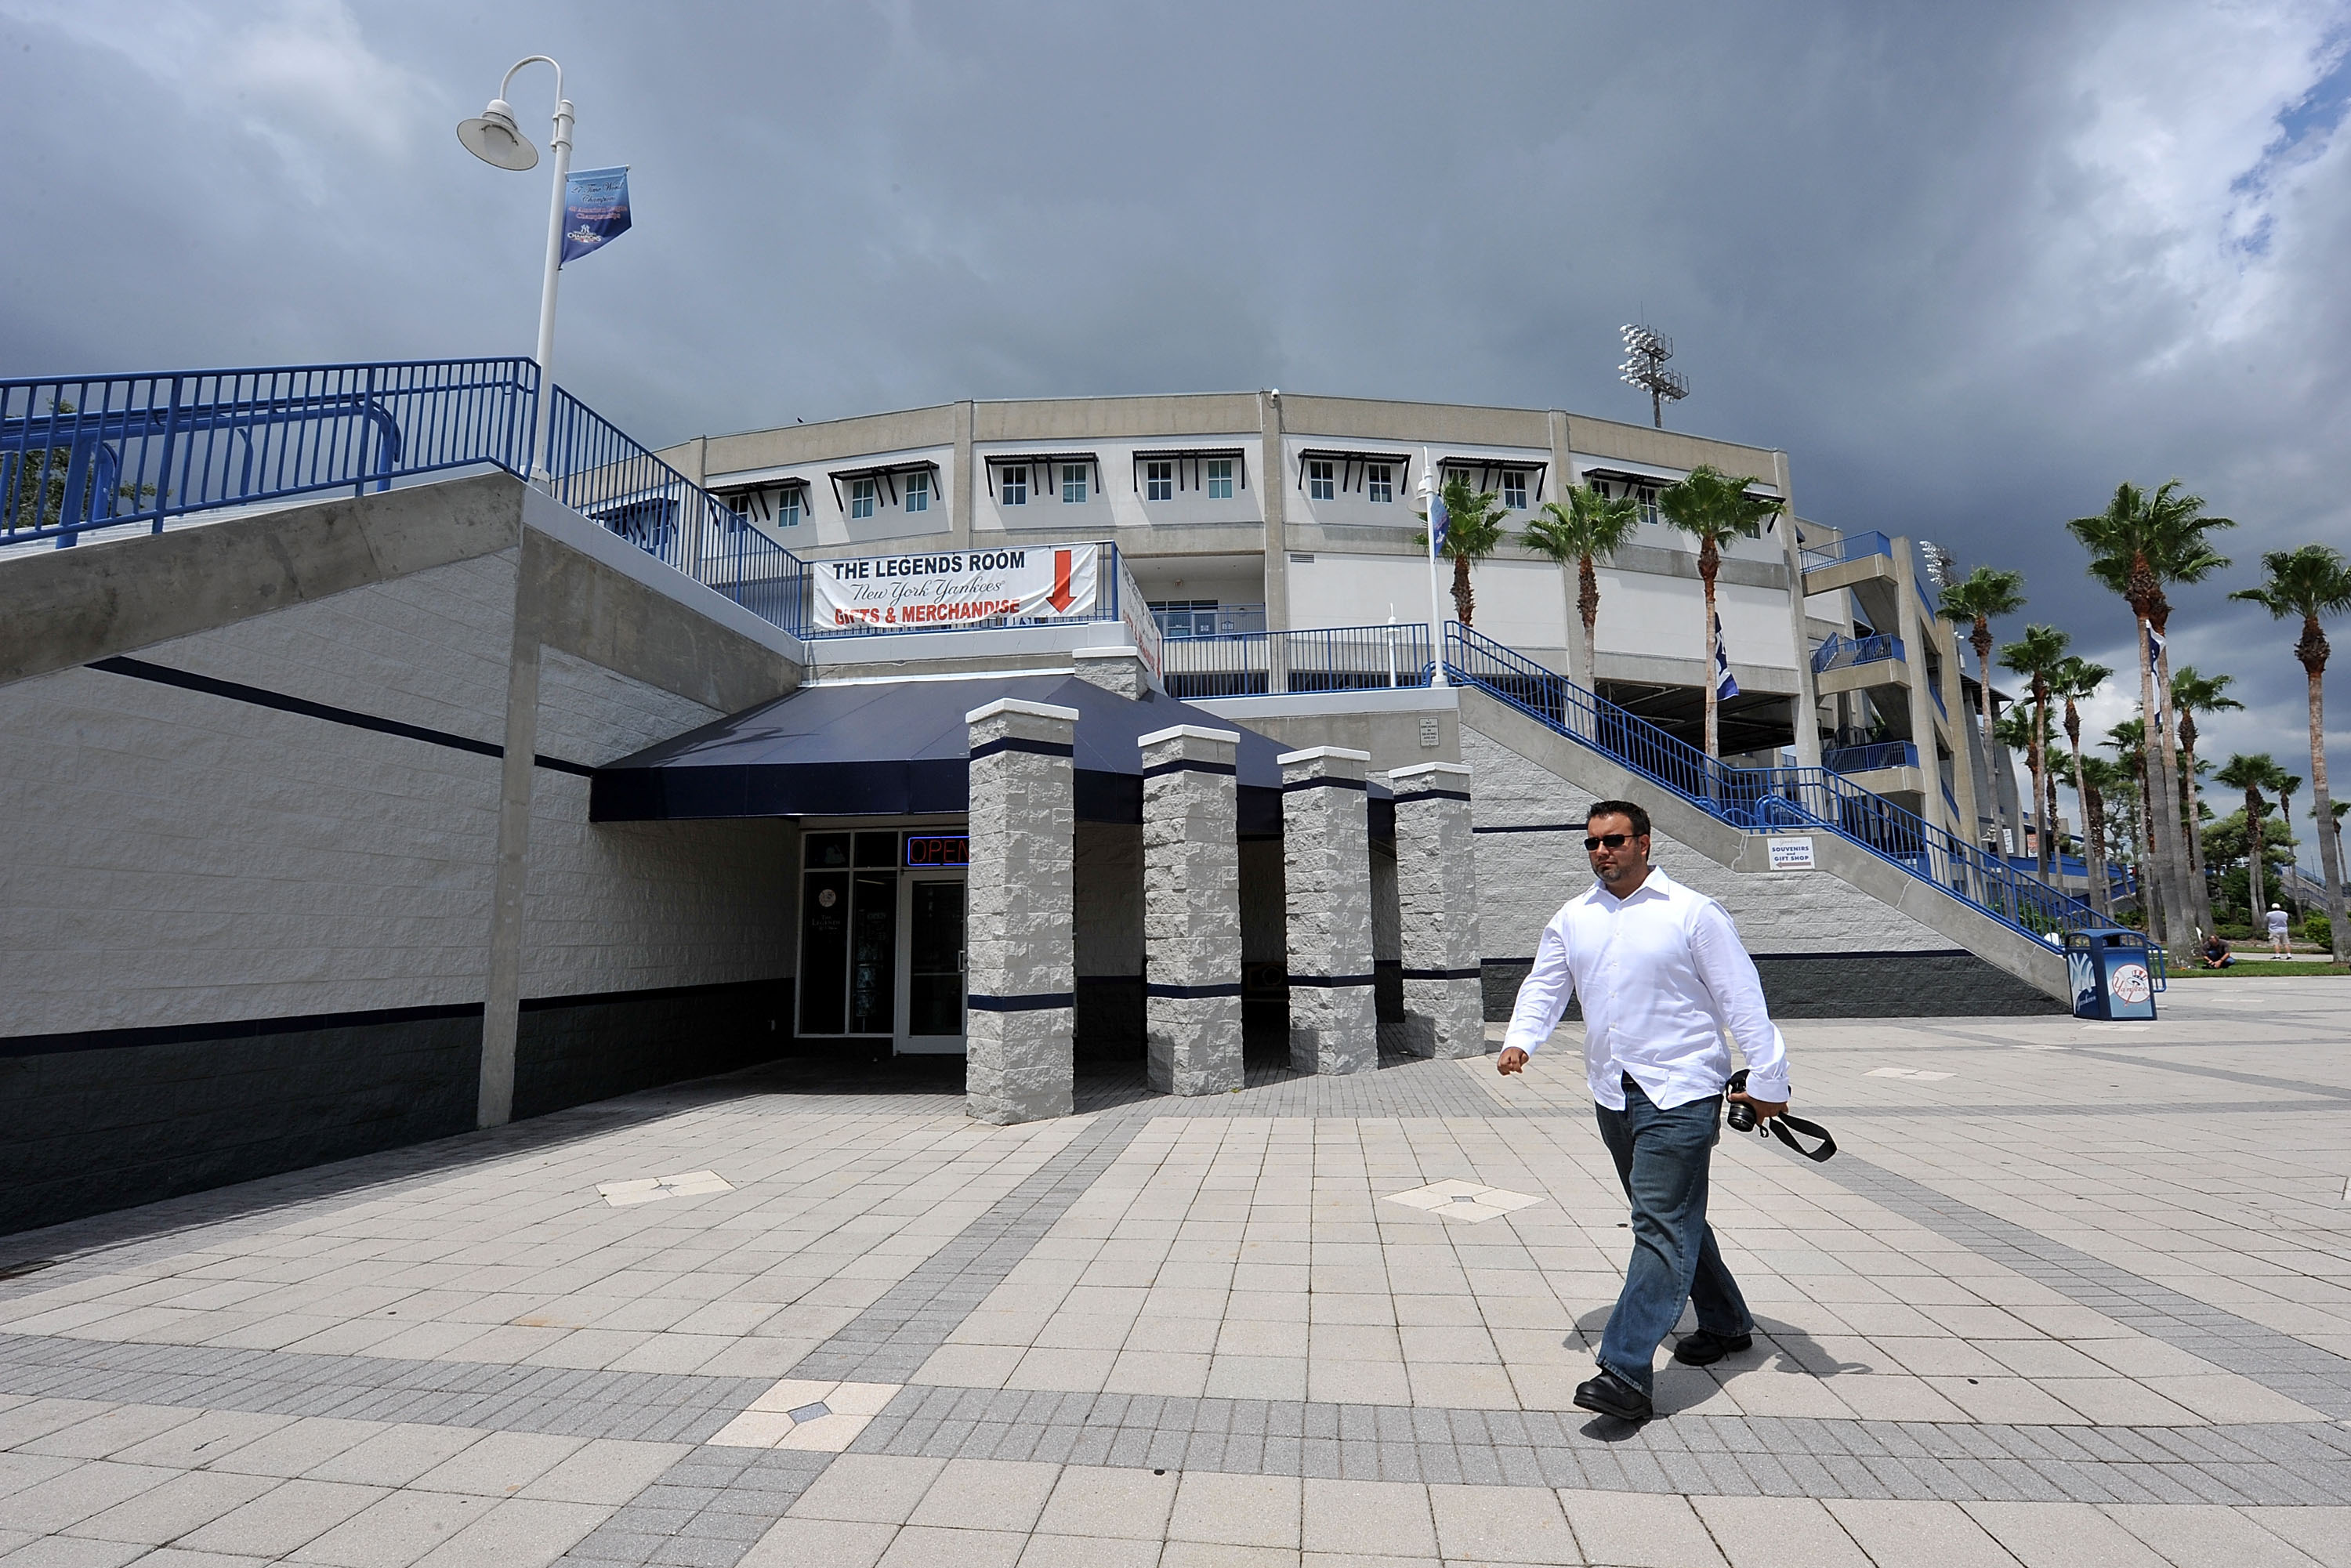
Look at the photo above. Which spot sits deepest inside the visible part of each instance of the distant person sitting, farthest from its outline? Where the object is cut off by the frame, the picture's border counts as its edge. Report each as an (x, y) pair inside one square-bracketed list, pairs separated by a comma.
[(2279, 945), (2216, 953)]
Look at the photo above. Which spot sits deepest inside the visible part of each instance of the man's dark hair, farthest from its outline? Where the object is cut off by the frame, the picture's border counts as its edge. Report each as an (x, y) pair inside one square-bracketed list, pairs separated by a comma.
[(1640, 818)]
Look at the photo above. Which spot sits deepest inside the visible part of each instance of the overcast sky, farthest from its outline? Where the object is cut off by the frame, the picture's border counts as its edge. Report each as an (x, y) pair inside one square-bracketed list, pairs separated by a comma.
[(1969, 264)]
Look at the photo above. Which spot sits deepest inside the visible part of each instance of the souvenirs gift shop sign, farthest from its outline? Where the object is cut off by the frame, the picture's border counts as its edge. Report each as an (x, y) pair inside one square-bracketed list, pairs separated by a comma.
[(959, 587)]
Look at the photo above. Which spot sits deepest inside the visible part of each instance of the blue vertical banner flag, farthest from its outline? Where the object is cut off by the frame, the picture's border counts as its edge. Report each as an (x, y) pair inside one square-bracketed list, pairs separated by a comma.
[(595, 209), (1437, 517), (2155, 645), (1724, 686)]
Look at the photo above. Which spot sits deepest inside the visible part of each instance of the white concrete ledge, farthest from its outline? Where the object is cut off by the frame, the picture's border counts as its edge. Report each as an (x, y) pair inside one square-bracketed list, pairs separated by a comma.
[(1417, 769), (1014, 704), (1323, 753), (1188, 732)]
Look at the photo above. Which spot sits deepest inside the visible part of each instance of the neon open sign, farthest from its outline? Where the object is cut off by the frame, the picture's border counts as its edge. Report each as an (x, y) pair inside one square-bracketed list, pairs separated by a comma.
[(927, 850)]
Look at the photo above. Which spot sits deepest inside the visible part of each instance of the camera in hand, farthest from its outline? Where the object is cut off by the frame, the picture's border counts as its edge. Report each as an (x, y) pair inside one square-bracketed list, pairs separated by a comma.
[(1742, 1115)]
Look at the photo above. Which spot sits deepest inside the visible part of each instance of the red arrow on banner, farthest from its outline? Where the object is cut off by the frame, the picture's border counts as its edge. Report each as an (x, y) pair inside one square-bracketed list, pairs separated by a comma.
[(1061, 597)]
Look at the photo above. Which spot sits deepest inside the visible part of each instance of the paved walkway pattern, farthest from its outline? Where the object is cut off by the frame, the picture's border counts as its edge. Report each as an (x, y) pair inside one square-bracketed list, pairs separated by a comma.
[(2071, 1294)]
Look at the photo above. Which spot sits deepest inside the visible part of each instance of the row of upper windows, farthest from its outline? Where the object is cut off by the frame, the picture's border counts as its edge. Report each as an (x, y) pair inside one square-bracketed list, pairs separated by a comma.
[(1014, 482), (1379, 483), (1158, 481)]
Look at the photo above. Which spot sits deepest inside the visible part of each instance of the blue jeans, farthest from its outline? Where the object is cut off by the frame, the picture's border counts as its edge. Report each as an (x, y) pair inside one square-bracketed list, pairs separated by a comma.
[(1662, 1157)]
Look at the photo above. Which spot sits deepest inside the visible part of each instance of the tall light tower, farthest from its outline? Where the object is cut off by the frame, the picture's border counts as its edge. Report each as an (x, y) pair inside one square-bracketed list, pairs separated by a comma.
[(1645, 353)]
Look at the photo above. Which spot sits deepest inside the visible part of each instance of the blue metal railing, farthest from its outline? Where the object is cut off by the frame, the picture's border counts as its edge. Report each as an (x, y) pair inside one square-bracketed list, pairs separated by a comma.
[(1863, 759), (1839, 652), (82, 453), (1853, 547), (1766, 799), (1327, 659)]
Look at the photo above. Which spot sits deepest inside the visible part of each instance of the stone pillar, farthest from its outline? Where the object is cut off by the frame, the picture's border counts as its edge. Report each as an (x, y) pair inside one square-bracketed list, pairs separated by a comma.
[(1117, 670), (1192, 909), (1020, 975), (1436, 895), (1327, 873)]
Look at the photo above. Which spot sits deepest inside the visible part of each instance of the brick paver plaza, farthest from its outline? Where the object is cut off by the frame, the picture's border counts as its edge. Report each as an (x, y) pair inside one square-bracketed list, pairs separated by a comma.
[(2072, 1294)]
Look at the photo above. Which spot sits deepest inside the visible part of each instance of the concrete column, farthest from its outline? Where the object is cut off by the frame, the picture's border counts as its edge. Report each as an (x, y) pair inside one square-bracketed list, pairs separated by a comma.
[(1917, 638), (1957, 724), (1327, 875), (502, 998), (1437, 894), (1192, 909), (1808, 695), (1273, 493), (1021, 978), (961, 497)]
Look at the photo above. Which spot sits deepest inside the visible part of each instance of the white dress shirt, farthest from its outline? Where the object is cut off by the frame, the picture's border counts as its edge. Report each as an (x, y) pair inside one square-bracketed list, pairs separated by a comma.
[(1663, 977)]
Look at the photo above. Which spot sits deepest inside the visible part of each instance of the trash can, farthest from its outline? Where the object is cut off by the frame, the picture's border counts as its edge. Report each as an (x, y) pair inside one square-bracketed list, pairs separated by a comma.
[(2113, 973)]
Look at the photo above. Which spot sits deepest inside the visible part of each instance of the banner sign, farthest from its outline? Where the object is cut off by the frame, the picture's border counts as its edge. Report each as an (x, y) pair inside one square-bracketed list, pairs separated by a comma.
[(959, 587), (595, 209)]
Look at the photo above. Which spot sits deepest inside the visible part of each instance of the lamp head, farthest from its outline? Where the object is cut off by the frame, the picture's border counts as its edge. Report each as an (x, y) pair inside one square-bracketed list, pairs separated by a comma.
[(495, 140)]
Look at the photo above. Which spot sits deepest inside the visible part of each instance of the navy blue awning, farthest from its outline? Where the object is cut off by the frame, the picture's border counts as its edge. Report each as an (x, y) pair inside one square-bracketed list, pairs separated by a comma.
[(901, 748)]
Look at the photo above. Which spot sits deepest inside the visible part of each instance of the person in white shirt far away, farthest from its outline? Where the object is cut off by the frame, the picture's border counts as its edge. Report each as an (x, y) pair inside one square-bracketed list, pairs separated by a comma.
[(2280, 947), (1663, 977)]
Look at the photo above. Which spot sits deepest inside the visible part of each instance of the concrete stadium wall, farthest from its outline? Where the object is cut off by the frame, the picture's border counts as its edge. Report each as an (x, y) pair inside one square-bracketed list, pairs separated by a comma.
[(254, 822)]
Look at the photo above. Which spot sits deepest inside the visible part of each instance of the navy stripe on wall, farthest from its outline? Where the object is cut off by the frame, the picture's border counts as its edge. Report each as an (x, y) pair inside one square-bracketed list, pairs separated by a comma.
[(303, 1023), (1819, 957), (1227, 768), (1291, 786), (1432, 795), (237, 691), (1534, 828), (1042, 1001), (1475, 972), (1331, 982), (1193, 993), (1019, 743)]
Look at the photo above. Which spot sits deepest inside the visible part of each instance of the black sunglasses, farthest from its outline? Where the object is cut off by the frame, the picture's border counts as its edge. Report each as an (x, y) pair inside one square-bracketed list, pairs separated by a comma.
[(1614, 840)]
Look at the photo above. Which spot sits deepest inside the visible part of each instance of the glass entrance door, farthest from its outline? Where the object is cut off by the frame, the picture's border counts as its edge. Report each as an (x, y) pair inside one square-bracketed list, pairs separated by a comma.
[(933, 978)]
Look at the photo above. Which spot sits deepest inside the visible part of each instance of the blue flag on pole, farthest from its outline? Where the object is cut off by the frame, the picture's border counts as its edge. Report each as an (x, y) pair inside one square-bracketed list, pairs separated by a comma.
[(1724, 686), (595, 209), (1438, 518), (2155, 645)]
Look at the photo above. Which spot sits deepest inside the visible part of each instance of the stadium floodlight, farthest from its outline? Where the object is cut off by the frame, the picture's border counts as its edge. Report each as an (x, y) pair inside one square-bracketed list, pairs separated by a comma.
[(1646, 351), (1942, 565)]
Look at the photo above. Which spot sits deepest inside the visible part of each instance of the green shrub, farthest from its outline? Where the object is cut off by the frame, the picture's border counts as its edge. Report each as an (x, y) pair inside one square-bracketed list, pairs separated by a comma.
[(2317, 929)]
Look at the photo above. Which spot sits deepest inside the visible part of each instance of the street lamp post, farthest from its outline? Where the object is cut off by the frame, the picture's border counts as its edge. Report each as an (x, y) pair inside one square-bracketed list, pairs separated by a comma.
[(1432, 496), (494, 138)]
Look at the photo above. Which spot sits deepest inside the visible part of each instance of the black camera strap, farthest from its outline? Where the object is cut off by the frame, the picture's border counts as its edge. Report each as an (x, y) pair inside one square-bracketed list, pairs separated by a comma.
[(1785, 1127)]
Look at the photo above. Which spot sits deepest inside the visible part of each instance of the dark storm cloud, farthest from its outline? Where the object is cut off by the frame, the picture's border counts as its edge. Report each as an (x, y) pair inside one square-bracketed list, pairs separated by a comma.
[(1969, 264)]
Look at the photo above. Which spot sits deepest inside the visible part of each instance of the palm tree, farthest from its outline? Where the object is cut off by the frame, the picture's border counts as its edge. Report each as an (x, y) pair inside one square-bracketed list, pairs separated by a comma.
[(2013, 729), (1473, 530), (2311, 583), (2129, 741), (2077, 678), (1587, 530), (2192, 693), (2138, 546), (1972, 601), (2098, 781), (2039, 655), (1715, 509), (2252, 774)]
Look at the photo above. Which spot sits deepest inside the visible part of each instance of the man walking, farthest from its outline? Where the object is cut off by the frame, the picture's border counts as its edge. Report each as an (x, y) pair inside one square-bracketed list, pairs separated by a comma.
[(1662, 976), (2280, 946)]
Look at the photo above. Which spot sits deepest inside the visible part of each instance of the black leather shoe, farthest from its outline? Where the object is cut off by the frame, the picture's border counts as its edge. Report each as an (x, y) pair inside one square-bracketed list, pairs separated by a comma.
[(1612, 1395), (1706, 1347)]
